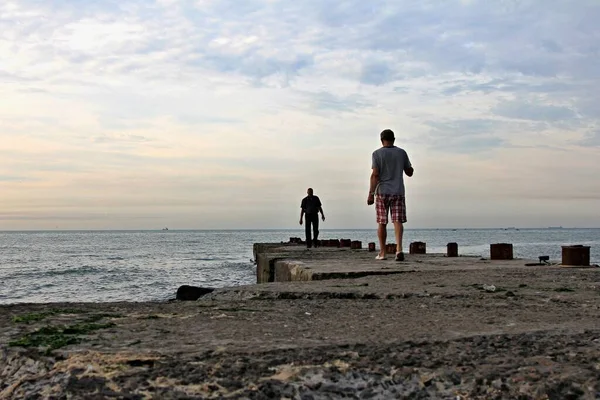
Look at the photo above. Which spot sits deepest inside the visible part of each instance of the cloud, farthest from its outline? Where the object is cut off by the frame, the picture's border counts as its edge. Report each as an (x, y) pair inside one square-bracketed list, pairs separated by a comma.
[(376, 74), (121, 139), (465, 136), (527, 110), (106, 104), (591, 139), (471, 145), (512, 86), (328, 101), (466, 127), (13, 178)]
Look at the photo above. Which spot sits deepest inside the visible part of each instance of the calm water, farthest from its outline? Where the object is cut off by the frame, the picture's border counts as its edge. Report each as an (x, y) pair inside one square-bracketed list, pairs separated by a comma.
[(151, 265)]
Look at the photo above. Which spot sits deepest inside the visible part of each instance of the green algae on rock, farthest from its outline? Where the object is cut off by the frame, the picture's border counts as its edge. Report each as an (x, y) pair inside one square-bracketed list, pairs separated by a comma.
[(55, 337)]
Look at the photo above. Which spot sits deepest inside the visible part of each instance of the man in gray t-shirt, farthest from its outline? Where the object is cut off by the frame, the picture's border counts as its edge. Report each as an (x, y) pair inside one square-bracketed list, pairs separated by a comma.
[(389, 164)]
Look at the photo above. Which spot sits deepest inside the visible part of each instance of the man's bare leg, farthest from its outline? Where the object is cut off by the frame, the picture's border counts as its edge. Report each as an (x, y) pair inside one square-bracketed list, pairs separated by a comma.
[(382, 235), (399, 230)]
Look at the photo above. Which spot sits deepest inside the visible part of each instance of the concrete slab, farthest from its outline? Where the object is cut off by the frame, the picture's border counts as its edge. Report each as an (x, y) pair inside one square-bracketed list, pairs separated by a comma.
[(435, 328), (289, 263)]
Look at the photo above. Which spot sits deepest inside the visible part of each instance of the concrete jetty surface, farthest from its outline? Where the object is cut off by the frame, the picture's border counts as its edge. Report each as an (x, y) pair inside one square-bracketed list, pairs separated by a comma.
[(332, 323), (288, 262)]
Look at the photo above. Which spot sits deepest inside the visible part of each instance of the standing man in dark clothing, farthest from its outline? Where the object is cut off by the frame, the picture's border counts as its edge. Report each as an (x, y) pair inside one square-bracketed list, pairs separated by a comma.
[(311, 206)]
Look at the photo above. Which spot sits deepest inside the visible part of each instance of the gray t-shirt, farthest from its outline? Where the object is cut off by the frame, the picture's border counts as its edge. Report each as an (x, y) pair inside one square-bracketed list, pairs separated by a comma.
[(391, 163)]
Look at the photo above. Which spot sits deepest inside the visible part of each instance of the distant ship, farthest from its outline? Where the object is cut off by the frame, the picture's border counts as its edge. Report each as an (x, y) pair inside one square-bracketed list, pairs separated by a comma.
[(555, 227), (165, 229)]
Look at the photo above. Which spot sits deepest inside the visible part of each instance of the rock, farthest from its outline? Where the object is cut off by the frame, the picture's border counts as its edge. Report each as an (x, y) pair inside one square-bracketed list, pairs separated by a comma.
[(489, 288), (192, 293)]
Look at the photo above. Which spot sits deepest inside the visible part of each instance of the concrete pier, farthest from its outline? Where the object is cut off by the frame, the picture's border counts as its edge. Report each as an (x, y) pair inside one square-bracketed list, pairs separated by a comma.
[(431, 327), (291, 262)]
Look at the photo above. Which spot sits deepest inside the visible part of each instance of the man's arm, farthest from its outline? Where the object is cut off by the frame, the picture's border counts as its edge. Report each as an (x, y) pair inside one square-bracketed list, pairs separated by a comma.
[(373, 185), (302, 210), (320, 209), (408, 169)]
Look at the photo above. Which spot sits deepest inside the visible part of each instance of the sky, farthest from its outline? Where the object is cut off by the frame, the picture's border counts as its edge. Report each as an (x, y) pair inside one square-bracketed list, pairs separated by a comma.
[(208, 114)]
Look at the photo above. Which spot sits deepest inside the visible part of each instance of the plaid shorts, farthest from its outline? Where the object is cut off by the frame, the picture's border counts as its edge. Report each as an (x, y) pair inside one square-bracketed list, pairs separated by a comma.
[(395, 203)]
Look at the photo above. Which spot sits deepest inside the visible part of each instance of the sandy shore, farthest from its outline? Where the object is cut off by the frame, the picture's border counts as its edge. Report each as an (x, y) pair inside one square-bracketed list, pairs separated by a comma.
[(424, 333)]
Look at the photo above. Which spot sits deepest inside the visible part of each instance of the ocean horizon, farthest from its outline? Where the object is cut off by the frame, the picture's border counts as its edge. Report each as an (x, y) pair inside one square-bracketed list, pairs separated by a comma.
[(293, 229), (149, 265)]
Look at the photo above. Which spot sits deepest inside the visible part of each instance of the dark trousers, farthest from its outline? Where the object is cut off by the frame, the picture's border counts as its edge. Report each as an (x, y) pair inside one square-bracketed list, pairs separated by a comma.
[(312, 219)]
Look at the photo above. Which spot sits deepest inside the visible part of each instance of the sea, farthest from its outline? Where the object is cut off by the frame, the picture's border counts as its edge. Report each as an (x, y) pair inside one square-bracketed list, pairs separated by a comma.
[(134, 266)]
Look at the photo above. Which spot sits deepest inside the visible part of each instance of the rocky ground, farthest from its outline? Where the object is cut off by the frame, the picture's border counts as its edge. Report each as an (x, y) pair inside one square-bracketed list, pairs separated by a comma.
[(488, 333)]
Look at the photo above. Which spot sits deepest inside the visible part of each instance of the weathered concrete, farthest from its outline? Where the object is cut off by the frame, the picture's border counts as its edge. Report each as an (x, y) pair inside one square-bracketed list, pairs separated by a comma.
[(436, 328), (285, 263)]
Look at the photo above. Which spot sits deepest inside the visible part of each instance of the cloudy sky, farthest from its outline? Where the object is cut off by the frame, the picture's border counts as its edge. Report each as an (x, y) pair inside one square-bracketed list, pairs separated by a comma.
[(140, 114)]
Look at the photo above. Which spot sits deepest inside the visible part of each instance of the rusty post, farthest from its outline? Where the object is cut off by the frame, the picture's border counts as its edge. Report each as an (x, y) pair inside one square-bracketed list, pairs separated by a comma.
[(372, 246), (577, 255), (418, 248), (345, 242), (501, 251), (390, 248), (356, 244), (452, 249)]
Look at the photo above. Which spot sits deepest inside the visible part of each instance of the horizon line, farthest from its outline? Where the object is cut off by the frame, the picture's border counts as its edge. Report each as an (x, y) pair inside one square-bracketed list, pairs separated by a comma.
[(286, 229)]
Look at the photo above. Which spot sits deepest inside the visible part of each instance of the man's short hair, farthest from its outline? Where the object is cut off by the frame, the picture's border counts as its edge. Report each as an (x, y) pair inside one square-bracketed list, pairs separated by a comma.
[(387, 135)]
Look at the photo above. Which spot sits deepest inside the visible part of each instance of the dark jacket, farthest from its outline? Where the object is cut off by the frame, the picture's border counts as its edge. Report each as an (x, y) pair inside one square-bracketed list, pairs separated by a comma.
[(311, 205)]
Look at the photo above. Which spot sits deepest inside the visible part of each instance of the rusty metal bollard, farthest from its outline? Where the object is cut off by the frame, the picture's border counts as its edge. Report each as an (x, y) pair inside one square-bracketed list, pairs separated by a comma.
[(390, 248), (345, 242), (418, 248), (577, 255), (372, 246), (501, 251), (356, 245), (452, 249)]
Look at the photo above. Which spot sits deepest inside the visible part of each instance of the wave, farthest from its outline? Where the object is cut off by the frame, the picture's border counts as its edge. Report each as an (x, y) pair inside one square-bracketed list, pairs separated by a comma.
[(83, 270), (209, 258), (237, 265)]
